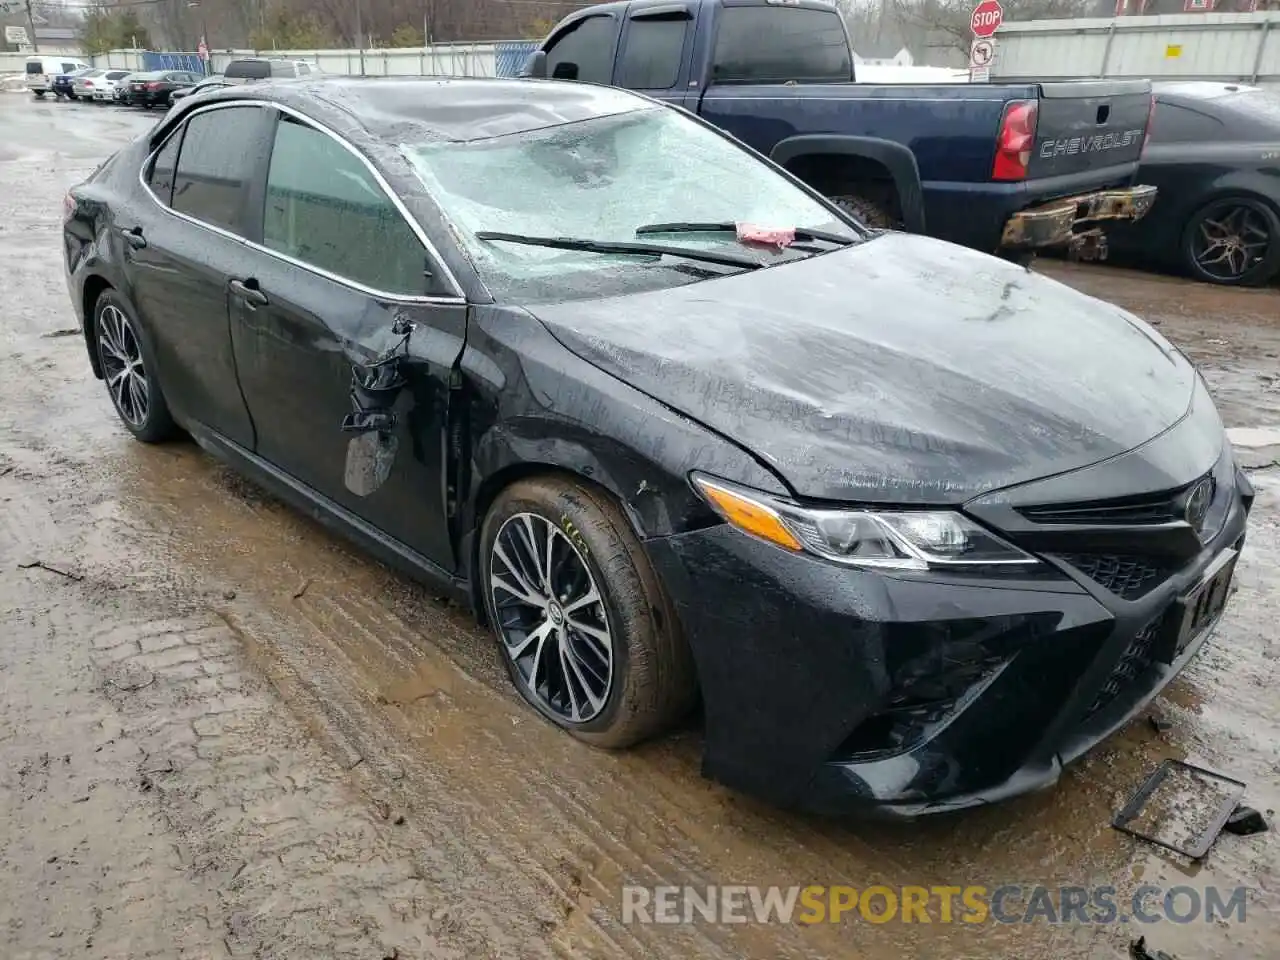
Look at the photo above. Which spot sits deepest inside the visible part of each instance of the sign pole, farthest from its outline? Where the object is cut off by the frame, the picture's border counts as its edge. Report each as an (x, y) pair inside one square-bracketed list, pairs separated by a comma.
[(31, 22)]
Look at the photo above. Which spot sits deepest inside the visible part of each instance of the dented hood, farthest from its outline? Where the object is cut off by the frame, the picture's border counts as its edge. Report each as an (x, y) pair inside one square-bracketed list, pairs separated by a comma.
[(902, 370)]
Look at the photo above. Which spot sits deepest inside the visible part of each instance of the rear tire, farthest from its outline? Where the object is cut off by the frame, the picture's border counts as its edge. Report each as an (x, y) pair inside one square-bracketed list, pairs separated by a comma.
[(613, 671), (873, 213), (37, 94), (129, 369), (1233, 241)]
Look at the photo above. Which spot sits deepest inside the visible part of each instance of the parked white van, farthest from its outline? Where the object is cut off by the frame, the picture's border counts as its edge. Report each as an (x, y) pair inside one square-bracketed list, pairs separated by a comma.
[(42, 70)]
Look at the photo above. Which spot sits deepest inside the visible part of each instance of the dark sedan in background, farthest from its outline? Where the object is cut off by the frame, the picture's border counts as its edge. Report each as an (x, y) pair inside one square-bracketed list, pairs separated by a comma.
[(1214, 154), (595, 368), (156, 89)]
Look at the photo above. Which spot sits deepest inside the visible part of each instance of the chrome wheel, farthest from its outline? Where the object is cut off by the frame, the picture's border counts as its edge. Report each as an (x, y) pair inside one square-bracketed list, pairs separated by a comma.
[(122, 366), (551, 617), (1229, 243)]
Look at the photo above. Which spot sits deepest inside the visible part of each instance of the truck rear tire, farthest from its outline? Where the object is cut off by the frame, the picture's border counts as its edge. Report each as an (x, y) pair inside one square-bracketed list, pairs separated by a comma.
[(867, 211)]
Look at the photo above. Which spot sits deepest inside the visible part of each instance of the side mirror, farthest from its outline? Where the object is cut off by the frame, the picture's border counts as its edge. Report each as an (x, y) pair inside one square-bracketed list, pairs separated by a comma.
[(536, 66)]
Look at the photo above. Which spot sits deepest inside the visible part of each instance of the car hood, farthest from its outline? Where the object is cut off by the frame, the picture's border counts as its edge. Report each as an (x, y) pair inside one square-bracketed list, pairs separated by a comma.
[(903, 369)]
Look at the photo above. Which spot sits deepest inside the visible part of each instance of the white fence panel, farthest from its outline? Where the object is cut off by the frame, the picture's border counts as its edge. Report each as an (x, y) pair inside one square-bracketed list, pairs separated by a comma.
[(1212, 46)]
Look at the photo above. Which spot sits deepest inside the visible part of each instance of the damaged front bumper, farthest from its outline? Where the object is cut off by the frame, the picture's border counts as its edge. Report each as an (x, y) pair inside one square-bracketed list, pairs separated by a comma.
[(863, 692), (1074, 222)]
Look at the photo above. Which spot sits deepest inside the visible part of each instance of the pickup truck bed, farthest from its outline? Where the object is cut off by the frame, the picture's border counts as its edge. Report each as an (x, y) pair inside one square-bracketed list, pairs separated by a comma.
[(991, 166)]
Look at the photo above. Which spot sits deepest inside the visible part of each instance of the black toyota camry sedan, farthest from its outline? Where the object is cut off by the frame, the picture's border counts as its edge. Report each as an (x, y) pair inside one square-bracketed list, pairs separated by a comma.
[(915, 525)]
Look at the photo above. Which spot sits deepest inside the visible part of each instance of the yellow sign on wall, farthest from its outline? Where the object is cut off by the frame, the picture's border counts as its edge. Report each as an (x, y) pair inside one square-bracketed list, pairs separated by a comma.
[(1173, 50)]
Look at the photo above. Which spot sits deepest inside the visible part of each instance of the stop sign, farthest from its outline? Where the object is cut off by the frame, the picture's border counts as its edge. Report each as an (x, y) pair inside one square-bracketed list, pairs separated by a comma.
[(986, 18)]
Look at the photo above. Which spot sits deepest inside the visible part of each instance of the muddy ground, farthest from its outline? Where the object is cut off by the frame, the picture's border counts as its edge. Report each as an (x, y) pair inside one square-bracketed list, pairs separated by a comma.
[(225, 733)]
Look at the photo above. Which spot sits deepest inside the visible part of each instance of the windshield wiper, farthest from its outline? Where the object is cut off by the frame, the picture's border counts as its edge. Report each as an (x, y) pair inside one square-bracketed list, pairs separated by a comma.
[(625, 248), (802, 233)]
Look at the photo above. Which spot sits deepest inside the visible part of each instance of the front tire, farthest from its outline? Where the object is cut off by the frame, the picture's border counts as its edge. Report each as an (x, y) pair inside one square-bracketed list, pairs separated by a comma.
[(129, 370), (583, 625)]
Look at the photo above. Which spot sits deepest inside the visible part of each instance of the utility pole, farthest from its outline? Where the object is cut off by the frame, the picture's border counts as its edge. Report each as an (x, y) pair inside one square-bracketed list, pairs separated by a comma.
[(360, 32), (31, 22)]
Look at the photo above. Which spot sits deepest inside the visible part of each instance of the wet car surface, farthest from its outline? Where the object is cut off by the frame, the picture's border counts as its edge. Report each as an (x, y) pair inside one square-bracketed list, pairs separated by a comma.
[(217, 816)]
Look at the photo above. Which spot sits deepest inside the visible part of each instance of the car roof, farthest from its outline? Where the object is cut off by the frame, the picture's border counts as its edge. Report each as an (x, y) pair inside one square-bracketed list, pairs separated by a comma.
[(444, 109), (1200, 89)]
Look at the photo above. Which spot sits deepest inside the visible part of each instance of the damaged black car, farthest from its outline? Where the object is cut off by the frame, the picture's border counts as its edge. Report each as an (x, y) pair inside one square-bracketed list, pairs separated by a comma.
[(915, 526)]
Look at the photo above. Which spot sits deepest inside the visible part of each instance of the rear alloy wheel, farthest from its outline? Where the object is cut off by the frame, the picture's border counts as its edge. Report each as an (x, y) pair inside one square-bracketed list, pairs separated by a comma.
[(128, 371), (1233, 241), (586, 632)]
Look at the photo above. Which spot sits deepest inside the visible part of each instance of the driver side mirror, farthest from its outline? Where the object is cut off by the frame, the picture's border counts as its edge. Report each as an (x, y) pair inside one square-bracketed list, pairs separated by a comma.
[(536, 66)]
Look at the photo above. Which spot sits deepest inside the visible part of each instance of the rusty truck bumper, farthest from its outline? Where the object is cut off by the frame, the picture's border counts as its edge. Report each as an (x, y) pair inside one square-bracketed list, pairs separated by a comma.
[(1074, 222)]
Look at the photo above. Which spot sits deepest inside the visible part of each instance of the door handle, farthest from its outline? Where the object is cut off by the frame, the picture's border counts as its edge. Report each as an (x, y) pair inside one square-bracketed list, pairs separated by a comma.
[(133, 236), (249, 291)]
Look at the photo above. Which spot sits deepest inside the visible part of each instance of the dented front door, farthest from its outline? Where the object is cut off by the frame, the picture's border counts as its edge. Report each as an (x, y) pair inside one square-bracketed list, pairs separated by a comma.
[(302, 344)]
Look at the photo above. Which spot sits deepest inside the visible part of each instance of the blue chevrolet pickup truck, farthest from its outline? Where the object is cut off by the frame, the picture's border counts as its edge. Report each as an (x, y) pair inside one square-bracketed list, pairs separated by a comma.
[(1001, 167)]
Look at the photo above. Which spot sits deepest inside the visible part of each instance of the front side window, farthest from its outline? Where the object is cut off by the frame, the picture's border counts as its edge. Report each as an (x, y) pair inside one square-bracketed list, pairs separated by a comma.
[(777, 44), (651, 60), (324, 208), (585, 52), (304, 70), (601, 179), (214, 166)]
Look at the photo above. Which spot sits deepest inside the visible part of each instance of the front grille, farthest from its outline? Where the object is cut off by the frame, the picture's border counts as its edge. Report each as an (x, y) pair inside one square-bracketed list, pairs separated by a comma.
[(1160, 508), (1127, 577), (1134, 662)]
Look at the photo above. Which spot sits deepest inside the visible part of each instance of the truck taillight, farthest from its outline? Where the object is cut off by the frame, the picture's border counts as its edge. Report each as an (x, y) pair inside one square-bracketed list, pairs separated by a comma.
[(1151, 118), (68, 207), (1015, 140)]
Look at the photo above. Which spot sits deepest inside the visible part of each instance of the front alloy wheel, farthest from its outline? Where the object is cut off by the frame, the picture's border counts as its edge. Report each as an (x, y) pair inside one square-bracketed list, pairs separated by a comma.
[(552, 618), (585, 629)]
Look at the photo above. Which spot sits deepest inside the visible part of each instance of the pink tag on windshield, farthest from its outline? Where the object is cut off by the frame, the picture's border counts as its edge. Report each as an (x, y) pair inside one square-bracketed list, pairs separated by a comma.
[(773, 236)]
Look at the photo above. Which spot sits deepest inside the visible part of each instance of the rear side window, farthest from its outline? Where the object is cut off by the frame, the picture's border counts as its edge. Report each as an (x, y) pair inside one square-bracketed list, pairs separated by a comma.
[(116, 75), (776, 44), (651, 60), (71, 67), (324, 208), (249, 69), (585, 52), (1177, 124), (214, 166), (160, 178)]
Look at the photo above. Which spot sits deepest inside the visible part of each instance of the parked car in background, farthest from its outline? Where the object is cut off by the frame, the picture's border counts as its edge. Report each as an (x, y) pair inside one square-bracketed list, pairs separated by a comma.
[(919, 525), (253, 69), (64, 83), (994, 166), (120, 94), (1215, 157), (83, 84), (156, 89), (42, 71), (208, 83), (104, 88)]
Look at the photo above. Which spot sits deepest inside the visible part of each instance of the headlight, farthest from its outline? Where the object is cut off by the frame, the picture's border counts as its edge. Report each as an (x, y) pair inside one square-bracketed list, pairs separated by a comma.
[(883, 539)]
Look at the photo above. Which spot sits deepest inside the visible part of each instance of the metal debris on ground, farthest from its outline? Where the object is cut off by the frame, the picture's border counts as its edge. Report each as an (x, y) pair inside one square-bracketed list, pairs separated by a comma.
[(1245, 822), (1138, 951), (1197, 843)]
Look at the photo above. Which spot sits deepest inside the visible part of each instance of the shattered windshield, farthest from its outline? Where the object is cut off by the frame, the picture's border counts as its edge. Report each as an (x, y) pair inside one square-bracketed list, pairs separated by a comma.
[(600, 180)]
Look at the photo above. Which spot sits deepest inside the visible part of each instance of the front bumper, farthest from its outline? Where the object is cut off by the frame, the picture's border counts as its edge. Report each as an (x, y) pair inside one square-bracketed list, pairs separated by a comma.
[(1074, 222), (843, 691)]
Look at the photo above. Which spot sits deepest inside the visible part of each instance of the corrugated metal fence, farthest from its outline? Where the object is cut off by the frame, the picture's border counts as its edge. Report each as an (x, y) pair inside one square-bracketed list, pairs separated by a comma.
[(501, 59), (1236, 47)]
